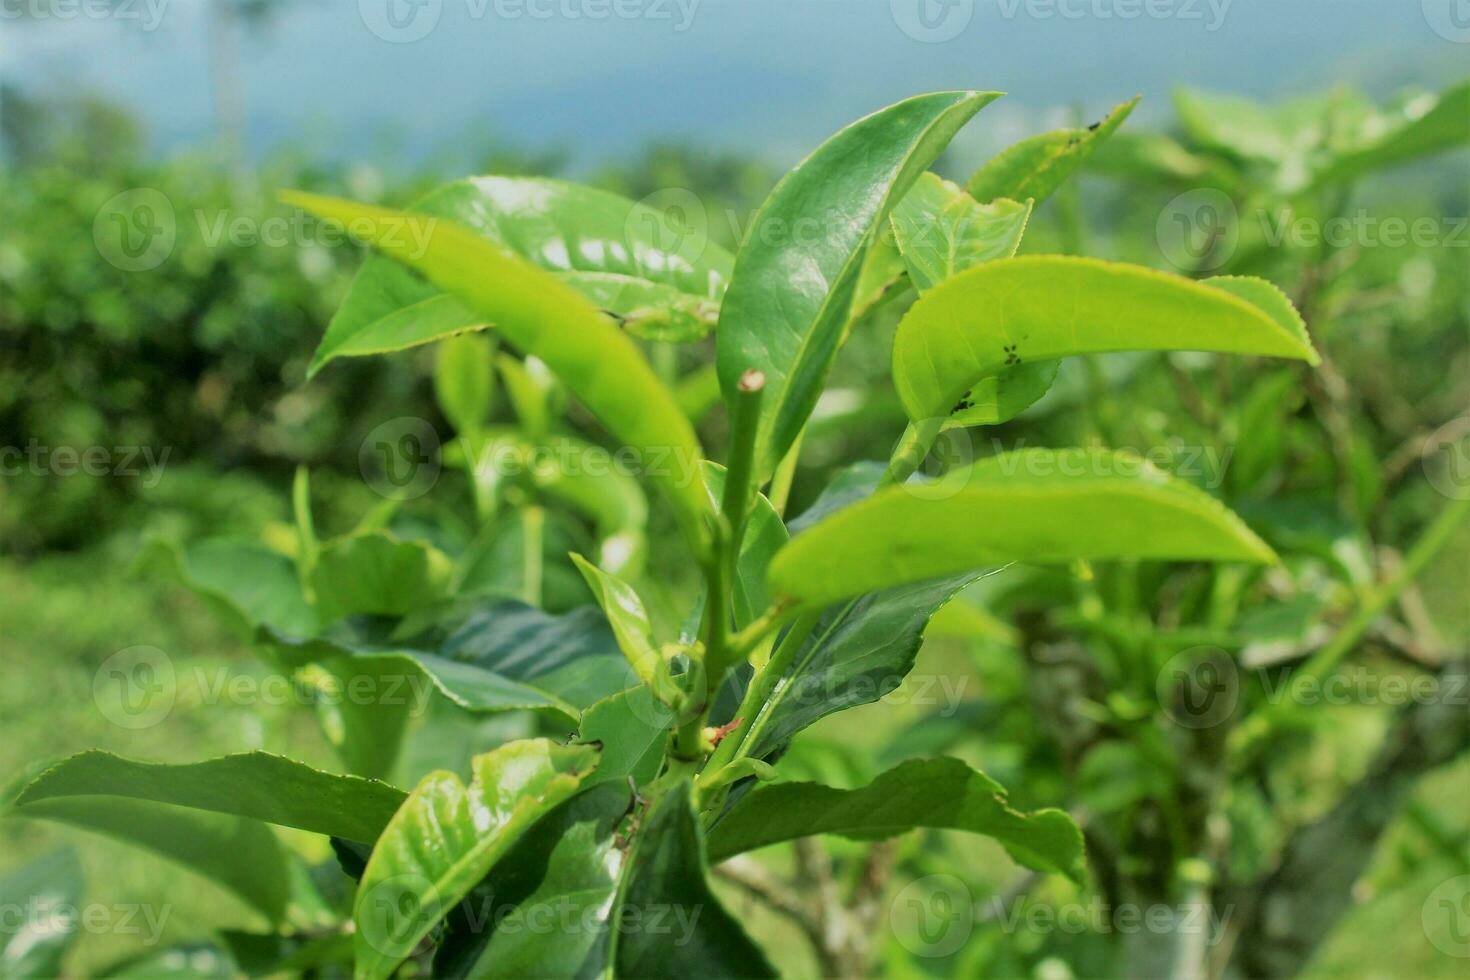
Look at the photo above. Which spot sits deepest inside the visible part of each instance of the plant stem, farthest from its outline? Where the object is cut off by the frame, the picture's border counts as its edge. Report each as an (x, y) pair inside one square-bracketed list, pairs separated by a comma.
[(907, 455), (912, 449), (1326, 660), (720, 571), (745, 416)]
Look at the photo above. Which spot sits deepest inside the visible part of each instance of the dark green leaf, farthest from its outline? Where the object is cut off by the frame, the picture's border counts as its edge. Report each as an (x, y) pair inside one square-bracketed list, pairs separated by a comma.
[(665, 881), (937, 793), (255, 784)]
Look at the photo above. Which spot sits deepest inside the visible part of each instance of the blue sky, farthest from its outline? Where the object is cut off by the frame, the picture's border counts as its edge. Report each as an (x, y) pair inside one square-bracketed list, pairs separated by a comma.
[(602, 77)]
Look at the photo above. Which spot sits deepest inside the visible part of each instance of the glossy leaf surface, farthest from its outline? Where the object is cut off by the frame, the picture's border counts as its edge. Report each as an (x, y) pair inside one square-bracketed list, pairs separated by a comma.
[(543, 317), (797, 272), (447, 836), (609, 249)]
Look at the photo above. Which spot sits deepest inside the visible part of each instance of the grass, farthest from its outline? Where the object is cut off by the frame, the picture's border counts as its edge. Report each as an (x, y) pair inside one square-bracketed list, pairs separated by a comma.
[(62, 618)]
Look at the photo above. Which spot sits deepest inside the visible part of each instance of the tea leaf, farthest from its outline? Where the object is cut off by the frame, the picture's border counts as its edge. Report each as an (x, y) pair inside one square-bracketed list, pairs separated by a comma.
[(935, 793), (1036, 167), (543, 317), (1024, 310), (1032, 506), (797, 272), (611, 250), (445, 838)]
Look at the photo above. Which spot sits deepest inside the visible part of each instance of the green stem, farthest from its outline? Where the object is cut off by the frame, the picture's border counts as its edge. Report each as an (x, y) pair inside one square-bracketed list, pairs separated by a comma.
[(719, 573), (1325, 661), (912, 449), (907, 455), (745, 415), (762, 686)]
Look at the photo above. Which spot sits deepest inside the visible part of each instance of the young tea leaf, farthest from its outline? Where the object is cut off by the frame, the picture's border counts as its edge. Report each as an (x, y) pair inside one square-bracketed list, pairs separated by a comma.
[(621, 256), (797, 272), (1032, 506), (543, 317), (1036, 167), (1024, 310)]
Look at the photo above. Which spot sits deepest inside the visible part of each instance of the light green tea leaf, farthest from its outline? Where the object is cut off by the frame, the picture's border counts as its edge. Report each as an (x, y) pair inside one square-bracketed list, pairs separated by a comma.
[(1033, 506), (1040, 308), (1036, 167), (447, 836)]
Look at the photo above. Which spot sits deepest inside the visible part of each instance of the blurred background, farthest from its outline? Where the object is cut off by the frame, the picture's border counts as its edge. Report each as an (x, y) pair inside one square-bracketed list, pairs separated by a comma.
[(160, 393)]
